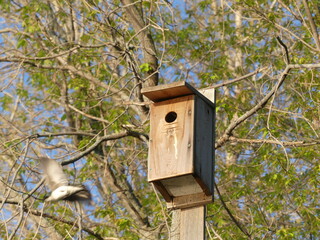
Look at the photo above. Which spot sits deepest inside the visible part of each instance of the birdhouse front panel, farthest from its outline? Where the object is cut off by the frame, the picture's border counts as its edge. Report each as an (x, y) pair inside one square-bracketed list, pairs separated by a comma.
[(171, 138)]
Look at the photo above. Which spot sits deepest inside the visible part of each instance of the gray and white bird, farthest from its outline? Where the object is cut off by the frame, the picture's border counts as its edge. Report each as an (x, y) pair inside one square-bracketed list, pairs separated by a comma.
[(59, 184)]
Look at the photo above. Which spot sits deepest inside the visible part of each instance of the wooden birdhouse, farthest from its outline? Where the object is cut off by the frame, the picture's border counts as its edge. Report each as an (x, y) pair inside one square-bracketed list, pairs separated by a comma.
[(181, 148)]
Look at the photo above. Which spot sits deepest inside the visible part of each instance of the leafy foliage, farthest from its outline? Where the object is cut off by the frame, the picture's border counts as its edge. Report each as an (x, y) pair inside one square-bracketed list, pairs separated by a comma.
[(71, 79)]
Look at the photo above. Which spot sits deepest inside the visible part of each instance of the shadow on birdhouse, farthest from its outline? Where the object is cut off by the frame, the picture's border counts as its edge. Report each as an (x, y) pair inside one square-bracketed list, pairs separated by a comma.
[(181, 148)]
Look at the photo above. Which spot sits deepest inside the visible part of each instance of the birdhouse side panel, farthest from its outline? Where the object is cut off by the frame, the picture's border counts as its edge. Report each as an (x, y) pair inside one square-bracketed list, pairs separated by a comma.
[(171, 138), (204, 144)]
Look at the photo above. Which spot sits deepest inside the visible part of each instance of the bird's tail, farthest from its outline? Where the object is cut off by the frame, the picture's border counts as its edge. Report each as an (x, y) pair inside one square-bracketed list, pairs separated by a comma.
[(83, 195)]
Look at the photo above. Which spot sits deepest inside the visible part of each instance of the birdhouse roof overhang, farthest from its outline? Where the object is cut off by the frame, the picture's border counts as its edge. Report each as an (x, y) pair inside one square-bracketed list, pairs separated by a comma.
[(172, 90)]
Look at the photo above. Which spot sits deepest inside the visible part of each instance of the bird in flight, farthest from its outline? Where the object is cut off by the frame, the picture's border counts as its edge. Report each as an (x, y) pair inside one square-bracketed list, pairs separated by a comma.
[(59, 184)]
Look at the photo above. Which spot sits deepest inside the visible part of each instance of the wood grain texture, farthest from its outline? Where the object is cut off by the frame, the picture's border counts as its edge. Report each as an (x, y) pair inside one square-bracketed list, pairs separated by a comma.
[(188, 201), (171, 143), (210, 94), (168, 91), (173, 90), (192, 224), (182, 185)]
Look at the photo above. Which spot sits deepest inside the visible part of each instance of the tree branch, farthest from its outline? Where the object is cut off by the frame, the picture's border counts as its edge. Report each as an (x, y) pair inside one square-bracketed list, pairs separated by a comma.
[(230, 214), (27, 209), (225, 83), (128, 199), (145, 38), (70, 68), (13, 233), (235, 123), (282, 143), (103, 139), (285, 48), (38, 135), (312, 24)]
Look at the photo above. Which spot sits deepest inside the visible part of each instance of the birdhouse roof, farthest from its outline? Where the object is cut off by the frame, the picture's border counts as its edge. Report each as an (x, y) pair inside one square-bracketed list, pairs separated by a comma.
[(172, 90)]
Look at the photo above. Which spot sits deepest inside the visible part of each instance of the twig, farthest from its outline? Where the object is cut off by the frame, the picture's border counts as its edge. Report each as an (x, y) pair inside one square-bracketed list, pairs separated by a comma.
[(148, 47), (79, 209), (228, 132), (133, 103), (285, 48), (279, 26), (230, 214), (29, 194), (83, 113), (162, 209), (236, 79), (26, 208), (268, 141), (99, 140), (10, 187), (41, 135), (312, 24), (235, 123), (21, 203), (217, 236)]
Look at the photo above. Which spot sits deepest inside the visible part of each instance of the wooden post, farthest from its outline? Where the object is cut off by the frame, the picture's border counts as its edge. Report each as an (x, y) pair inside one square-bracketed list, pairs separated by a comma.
[(188, 224), (192, 223)]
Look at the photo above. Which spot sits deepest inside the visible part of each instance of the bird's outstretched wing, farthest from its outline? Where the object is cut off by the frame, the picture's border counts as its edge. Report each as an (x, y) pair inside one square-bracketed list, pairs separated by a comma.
[(54, 174)]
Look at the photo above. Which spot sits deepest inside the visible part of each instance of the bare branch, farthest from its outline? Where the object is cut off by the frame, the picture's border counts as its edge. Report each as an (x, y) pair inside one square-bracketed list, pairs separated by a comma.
[(280, 27), (128, 199), (285, 48), (282, 143), (38, 135), (26, 208), (235, 123), (13, 233), (228, 132), (149, 50), (83, 113), (245, 231), (99, 141), (225, 83), (312, 24)]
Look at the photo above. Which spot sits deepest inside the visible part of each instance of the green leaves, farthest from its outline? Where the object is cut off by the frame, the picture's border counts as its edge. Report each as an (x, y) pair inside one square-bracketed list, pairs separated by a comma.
[(73, 79), (145, 67), (285, 233), (21, 43)]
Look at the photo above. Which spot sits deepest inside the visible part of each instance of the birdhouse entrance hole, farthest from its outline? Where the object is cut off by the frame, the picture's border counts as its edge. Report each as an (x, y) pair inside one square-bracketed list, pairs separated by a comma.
[(171, 117)]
